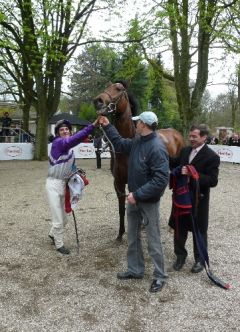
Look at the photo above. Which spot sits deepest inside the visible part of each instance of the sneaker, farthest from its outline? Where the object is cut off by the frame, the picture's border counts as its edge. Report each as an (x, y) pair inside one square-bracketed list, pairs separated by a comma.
[(63, 250)]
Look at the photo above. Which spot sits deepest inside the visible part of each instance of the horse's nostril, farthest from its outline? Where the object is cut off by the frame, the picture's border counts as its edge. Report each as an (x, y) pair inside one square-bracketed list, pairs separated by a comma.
[(98, 103)]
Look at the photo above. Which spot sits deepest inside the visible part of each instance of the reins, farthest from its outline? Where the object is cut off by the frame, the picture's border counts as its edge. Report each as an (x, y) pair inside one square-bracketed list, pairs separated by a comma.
[(111, 108), (120, 194)]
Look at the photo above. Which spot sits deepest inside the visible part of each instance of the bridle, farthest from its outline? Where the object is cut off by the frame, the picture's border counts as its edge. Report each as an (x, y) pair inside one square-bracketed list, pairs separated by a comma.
[(111, 108)]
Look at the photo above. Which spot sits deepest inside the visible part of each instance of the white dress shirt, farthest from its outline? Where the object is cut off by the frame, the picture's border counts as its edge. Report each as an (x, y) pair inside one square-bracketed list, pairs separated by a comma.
[(194, 152)]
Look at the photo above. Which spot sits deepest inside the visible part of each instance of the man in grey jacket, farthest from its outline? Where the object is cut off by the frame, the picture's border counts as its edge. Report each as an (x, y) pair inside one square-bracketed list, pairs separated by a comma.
[(148, 171)]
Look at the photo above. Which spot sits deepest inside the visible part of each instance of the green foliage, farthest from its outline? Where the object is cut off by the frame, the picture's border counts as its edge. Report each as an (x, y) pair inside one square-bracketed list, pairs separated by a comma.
[(87, 112), (98, 65), (131, 55), (133, 68), (94, 68), (218, 112), (44, 36), (162, 97)]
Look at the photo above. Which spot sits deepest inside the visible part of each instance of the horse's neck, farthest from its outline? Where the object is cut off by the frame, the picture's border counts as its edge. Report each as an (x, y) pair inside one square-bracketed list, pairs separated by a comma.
[(124, 124)]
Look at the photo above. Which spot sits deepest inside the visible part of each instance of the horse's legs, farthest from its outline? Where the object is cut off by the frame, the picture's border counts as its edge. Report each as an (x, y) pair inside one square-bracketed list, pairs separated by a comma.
[(121, 207)]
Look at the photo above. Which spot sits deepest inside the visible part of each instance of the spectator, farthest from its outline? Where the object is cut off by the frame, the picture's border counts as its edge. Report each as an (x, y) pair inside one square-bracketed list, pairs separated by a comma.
[(225, 140), (234, 140), (214, 140), (50, 138), (88, 139), (6, 123), (97, 143)]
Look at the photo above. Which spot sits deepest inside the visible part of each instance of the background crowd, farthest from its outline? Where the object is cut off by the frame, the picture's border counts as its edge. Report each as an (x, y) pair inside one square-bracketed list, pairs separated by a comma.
[(231, 140), (12, 132)]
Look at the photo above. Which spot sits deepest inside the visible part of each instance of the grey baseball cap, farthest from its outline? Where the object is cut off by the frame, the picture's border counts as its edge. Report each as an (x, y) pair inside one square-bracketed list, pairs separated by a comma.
[(147, 117)]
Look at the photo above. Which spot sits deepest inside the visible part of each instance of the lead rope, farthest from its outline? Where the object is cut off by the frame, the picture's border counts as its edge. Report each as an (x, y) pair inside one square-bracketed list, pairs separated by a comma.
[(119, 193)]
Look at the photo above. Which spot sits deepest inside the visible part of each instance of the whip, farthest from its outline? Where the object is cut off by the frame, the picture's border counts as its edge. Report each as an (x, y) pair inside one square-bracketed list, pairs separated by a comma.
[(76, 230)]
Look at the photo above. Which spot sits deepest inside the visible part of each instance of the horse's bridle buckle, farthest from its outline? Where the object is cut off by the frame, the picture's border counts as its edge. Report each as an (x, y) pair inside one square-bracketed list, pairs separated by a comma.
[(112, 107)]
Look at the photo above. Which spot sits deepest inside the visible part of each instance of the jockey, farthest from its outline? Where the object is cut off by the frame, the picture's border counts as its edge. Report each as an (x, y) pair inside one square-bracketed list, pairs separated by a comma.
[(61, 166)]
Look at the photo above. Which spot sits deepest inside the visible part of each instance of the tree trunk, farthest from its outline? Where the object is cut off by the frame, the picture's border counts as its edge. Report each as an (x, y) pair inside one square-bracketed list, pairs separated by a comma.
[(41, 145), (26, 112), (238, 83)]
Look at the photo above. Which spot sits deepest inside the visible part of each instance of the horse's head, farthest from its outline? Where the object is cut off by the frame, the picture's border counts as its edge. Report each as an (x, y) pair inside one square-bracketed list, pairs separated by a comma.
[(113, 99)]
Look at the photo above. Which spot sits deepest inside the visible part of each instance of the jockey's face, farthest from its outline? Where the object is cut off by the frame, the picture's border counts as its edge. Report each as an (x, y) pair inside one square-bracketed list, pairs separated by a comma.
[(195, 139), (64, 132)]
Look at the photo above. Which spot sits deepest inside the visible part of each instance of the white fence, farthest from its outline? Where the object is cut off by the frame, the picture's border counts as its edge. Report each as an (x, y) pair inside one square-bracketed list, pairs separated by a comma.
[(24, 151), (227, 153), (20, 151), (85, 151)]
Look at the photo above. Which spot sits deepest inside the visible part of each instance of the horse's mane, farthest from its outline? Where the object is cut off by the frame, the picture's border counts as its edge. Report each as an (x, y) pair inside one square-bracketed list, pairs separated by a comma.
[(131, 98)]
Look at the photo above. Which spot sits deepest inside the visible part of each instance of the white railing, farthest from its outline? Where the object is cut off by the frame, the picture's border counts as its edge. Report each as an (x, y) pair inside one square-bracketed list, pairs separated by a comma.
[(15, 135)]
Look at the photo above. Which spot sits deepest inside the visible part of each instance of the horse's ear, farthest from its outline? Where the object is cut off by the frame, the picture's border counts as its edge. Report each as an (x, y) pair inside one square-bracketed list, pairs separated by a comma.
[(123, 82)]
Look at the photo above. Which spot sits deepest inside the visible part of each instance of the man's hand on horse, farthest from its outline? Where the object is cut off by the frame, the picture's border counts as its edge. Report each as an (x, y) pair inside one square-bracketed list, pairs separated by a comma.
[(103, 120), (96, 122), (131, 199)]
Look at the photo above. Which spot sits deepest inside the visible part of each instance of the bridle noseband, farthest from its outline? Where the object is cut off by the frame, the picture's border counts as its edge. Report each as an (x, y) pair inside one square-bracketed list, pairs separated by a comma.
[(111, 108)]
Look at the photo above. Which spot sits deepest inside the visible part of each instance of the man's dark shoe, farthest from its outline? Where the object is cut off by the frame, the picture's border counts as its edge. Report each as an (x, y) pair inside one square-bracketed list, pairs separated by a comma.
[(52, 239), (63, 250), (177, 266), (156, 285), (127, 275), (197, 267)]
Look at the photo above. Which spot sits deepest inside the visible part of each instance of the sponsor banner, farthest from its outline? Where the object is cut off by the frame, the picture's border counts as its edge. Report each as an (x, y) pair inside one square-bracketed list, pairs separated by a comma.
[(227, 153), (24, 151), (85, 151), (20, 151)]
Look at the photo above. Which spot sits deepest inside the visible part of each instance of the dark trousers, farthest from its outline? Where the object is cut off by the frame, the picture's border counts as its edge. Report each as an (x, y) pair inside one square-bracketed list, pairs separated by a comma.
[(180, 238), (98, 157)]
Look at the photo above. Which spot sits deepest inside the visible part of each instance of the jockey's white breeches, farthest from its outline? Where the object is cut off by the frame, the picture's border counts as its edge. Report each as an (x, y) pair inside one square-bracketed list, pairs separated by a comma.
[(56, 196)]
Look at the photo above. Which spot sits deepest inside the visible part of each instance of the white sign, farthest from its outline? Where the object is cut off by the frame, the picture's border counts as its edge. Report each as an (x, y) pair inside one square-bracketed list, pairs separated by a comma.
[(20, 151), (24, 151), (85, 151), (227, 153)]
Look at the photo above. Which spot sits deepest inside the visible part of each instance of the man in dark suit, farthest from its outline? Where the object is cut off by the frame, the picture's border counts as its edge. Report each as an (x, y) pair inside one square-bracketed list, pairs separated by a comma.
[(206, 163), (234, 140)]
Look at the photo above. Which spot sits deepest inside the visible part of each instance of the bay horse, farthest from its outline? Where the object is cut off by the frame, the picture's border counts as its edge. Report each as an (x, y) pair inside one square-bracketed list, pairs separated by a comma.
[(115, 100)]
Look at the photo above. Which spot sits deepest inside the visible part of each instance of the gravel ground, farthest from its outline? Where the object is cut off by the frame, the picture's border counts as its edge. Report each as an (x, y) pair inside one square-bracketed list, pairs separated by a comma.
[(41, 290)]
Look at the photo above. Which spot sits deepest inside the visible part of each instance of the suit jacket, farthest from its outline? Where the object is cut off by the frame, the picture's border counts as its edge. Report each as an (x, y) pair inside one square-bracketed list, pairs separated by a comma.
[(206, 162)]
